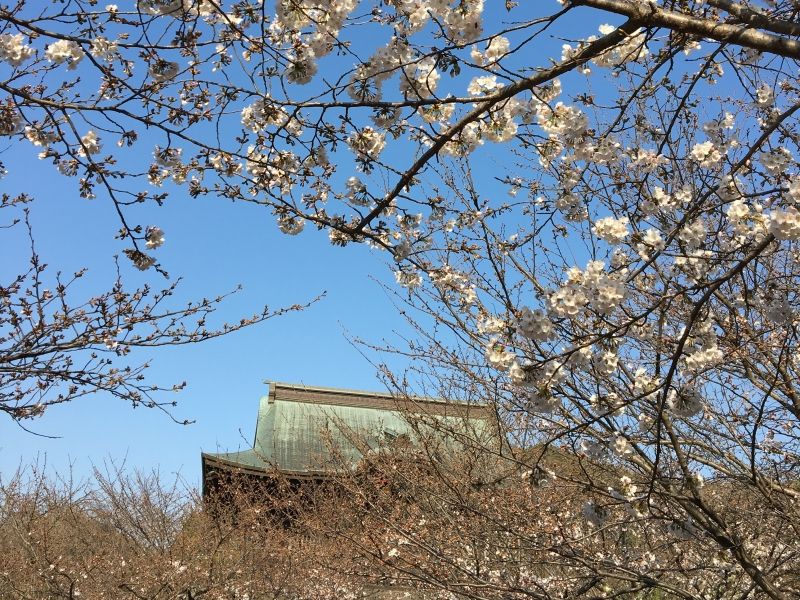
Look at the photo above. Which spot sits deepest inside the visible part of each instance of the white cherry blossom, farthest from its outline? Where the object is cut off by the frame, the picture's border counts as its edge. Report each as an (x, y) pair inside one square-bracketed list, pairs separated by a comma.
[(706, 154), (614, 231), (65, 51), (14, 50), (785, 224), (154, 237)]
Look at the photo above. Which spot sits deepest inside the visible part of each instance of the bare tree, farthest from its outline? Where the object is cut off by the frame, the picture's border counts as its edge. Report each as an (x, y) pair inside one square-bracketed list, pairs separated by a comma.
[(138, 535)]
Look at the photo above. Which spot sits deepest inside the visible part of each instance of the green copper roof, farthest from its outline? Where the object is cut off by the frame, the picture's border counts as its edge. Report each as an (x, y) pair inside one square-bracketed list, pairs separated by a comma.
[(305, 430)]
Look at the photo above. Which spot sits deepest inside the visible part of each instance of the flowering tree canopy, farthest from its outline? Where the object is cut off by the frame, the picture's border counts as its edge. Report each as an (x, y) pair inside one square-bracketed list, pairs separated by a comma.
[(603, 217)]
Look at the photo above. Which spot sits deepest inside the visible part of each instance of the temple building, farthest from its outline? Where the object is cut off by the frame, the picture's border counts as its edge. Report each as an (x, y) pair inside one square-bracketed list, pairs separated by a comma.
[(310, 433)]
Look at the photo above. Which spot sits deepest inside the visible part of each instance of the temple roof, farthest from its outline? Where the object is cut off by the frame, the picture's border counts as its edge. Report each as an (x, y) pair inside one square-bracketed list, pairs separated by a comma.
[(307, 431)]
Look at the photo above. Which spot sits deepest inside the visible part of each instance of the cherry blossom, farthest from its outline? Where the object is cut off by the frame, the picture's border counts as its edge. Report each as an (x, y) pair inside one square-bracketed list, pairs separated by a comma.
[(65, 51), (597, 239)]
